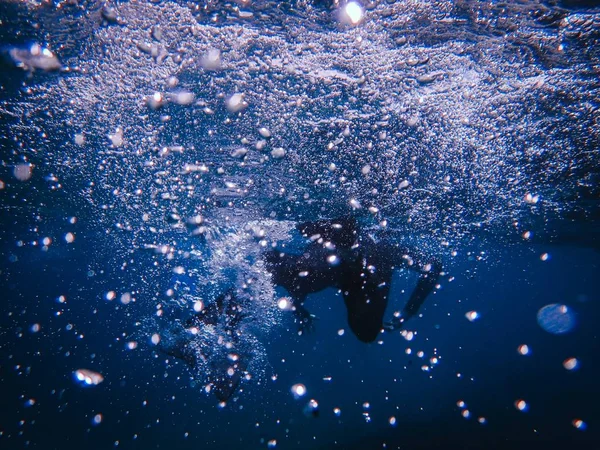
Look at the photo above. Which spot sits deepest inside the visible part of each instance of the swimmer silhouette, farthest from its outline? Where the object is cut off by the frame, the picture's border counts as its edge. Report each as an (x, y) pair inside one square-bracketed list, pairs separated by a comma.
[(223, 357), (360, 267)]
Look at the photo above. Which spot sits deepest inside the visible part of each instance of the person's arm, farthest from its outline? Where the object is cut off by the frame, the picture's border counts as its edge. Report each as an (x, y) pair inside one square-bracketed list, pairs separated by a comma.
[(430, 269)]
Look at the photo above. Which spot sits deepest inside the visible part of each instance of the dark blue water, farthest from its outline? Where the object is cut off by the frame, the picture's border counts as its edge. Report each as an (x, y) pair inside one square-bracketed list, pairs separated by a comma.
[(456, 127), (146, 403)]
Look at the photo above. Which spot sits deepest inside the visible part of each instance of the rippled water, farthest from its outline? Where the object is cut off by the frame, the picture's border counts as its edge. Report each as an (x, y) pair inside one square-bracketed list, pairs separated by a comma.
[(152, 151)]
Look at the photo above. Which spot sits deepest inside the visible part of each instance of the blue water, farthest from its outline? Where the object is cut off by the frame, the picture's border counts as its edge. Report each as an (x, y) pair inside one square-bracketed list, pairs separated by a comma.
[(466, 131)]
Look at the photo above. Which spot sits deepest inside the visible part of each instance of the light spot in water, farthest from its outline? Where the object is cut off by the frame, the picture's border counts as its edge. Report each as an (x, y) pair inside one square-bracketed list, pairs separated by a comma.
[(466, 413), (155, 339), (571, 363), (236, 103), (35, 327), (97, 420), (355, 204), (545, 256), (198, 305), (272, 443), (298, 390), (126, 298), (579, 424), (472, 316), (23, 172), (460, 404), (341, 332), (88, 377), (521, 405), (284, 304), (482, 420), (523, 349), (110, 295), (351, 13), (69, 238), (556, 318), (337, 411), (392, 421)]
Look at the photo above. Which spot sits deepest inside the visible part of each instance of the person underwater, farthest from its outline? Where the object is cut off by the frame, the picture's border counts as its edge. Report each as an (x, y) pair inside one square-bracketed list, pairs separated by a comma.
[(340, 256)]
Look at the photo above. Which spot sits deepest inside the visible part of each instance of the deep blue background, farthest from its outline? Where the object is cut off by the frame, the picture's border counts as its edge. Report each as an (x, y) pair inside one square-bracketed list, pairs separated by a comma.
[(507, 289)]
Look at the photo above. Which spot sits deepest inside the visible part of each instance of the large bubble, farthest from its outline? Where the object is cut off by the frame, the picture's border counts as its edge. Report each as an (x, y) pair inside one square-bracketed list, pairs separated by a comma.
[(556, 318)]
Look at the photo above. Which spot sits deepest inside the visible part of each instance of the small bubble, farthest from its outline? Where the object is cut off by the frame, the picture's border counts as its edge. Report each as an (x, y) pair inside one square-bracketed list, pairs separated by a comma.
[(155, 339), (284, 304), (460, 404), (198, 305), (23, 172), (333, 260), (392, 421), (337, 411), (351, 13), (521, 405), (579, 424), (544, 256), (69, 238), (523, 349), (298, 390), (272, 443), (341, 332), (110, 295), (571, 363), (97, 420), (35, 327), (88, 377), (466, 413), (472, 316), (482, 420)]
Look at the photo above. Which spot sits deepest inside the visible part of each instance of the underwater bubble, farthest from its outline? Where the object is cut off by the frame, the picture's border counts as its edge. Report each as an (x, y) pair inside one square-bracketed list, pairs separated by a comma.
[(392, 421), (460, 404), (556, 318), (472, 316), (351, 13), (23, 172), (521, 405), (236, 103), (579, 424), (524, 349), (284, 304), (298, 390), (337, 411), (212, 59), (571, 363), (272, 443), (97, 420), (87, 377), (482, 420)]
